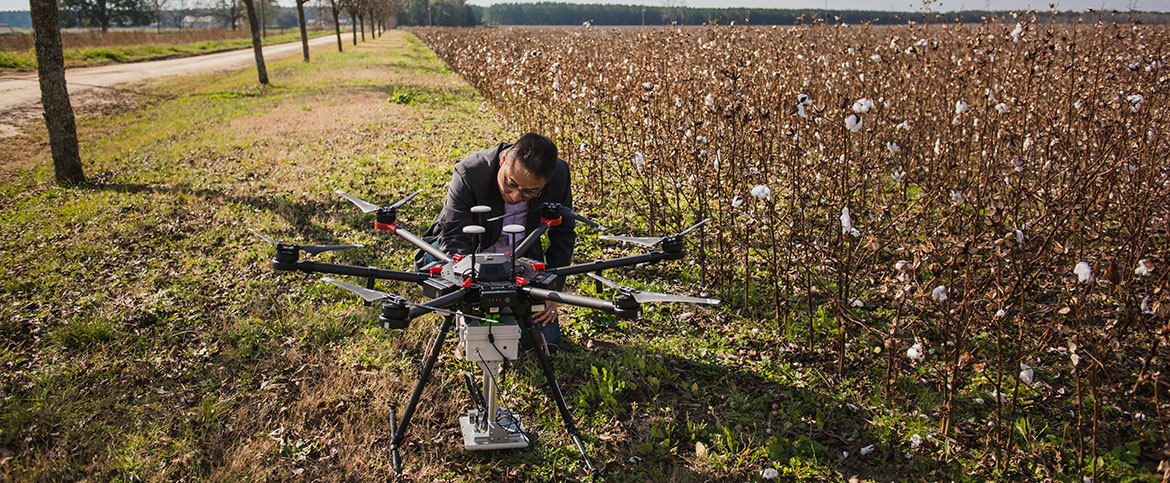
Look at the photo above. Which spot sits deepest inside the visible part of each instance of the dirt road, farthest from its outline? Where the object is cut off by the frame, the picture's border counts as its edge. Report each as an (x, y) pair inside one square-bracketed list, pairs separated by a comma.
[(20, 94)]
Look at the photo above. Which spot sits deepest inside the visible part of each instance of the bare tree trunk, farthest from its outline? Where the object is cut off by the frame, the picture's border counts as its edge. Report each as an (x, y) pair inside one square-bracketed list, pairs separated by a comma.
[(304, 34), (260, 70), (362, 22), (55, 95), (336, 23), (353, 20)]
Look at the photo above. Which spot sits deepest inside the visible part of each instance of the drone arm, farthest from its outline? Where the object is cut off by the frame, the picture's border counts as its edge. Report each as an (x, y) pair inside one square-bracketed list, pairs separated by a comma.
[(426, 247), (532, 239), (568, 298), (364, 272), (438, 303), (607, 264)]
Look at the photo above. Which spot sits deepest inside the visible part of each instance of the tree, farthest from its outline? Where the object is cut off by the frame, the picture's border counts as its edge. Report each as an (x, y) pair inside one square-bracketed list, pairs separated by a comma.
[(54, 94), (103, 13), (228, 11), (304, 33), (256, 48), (335, 10)]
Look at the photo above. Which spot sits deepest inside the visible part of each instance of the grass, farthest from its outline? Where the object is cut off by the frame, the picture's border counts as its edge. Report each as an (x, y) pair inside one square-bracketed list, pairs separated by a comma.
[(145, 335), (83, 56)]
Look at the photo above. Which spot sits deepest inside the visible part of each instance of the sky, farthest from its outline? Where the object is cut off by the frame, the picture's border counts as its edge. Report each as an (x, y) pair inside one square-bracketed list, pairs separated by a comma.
[(896, 5)]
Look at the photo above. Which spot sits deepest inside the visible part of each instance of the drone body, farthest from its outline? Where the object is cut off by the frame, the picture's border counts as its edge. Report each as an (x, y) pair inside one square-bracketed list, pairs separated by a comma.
[(489, 298)]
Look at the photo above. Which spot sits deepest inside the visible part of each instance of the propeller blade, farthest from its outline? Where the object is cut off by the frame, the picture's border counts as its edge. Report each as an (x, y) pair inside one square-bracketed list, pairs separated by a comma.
[(646, 241), (365, 206), (693, 227), (269, 240), (612, 284), (652, 297), (315, 249), (366, 294), (405, 200)]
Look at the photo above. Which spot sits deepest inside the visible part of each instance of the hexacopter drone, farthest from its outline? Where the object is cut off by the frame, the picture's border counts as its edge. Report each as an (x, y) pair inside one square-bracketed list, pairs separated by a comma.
[(489, 298)]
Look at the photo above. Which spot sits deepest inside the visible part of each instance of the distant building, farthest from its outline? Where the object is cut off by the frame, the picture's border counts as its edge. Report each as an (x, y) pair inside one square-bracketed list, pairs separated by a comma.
[(200, 22)]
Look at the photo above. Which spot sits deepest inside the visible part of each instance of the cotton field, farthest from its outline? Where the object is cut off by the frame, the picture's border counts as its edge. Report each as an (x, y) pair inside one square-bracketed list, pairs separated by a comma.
[(984, 208)]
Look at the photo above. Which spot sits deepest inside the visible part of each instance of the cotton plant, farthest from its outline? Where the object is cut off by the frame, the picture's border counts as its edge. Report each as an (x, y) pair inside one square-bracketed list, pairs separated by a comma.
[(915, 353)]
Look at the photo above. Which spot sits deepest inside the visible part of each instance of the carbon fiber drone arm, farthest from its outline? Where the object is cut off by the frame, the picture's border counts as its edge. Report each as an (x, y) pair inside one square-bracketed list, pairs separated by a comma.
[(568, 298), (364, 272), (594, 266), (443, 302)]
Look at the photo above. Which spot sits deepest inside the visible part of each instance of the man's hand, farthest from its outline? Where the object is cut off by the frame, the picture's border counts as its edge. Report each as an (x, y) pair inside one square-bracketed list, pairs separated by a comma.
[(549, 314)]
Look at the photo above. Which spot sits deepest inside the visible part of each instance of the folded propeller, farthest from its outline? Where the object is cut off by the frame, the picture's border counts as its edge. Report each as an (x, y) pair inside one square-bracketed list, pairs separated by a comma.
[(644, 297), (651, 241), (554, 209), (314, 249)]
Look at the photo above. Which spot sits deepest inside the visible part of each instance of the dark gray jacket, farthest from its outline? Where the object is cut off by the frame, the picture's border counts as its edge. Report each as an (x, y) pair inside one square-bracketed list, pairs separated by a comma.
[(473, 182)]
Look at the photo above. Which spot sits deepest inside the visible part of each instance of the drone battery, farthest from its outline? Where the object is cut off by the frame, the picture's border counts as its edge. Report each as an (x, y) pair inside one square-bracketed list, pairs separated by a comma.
[(494, 298), (483, 342), (543, 279), (437, 287)]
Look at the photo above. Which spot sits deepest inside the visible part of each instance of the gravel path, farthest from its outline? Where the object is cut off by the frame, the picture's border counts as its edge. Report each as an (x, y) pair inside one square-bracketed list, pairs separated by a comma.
[(20, 95)]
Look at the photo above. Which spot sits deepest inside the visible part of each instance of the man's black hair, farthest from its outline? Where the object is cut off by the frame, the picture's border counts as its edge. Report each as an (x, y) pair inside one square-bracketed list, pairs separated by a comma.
[(537, 154)]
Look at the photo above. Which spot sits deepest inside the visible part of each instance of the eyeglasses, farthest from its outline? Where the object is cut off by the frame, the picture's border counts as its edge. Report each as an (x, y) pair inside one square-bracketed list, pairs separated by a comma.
[(511, 185)]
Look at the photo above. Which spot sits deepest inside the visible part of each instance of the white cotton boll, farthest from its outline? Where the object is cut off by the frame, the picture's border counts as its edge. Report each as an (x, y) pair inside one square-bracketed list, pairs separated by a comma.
[(939, 294), (647, 85), (875, 58), (960, 107), (957, 197), (1020, 236), (846, 220), (905, 126), (866, 451), (915, 441), (1017, 31), (892, 147), (1084, 272), (853, 123), (762, 192), (701, 139), (915, 353), (1002, 108), (901, 265), (979, 401), (1028, 143), (1026, 374), (898, 176), (770, 474), (710, 101), (858, 303), (803, 100), (1135, 101), (737, 201), (1144, 268), (862, 106), (1146, 306), (639, 162), (938, 147), (1001, 313)]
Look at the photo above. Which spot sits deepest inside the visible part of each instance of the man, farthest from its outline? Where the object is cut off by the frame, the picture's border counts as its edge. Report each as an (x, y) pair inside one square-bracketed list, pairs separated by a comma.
[(511, 179)]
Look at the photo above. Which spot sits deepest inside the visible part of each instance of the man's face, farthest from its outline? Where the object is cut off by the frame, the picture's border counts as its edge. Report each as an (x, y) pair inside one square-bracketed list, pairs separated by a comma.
[(516, 183)]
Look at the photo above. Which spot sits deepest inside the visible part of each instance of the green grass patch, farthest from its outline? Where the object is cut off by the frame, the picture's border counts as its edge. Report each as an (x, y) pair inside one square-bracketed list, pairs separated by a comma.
[(92, 56)]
